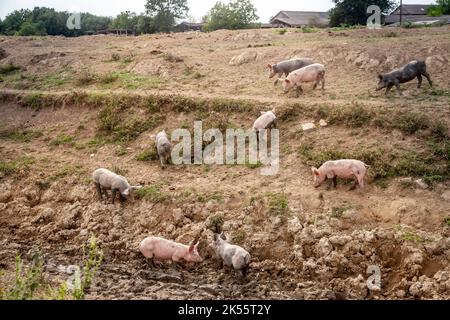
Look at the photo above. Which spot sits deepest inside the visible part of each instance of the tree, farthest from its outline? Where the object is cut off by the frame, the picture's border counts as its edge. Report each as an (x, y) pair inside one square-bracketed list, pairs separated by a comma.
[(354, 12), (14, 21), (29, 28), (145, 24), (126, 20), (165, 12), (238, 14), (440, 8)]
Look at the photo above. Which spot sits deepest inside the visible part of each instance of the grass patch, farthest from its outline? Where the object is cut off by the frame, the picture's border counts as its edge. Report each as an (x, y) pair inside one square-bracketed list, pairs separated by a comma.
[(238, 237), (8, 68), (63, 139), (278, 204), (447, 221), (280, 31), (413, 237), (121, 151), (252, 166), (125, 125), (385, 162), (153, 194), (14, 167), (85, 77), (147, 155), (215, 223), (29, 282), (21, 136)]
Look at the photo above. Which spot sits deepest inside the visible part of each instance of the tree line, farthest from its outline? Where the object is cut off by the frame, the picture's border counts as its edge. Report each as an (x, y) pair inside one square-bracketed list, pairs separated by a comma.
[(162, 15), (159, 16)]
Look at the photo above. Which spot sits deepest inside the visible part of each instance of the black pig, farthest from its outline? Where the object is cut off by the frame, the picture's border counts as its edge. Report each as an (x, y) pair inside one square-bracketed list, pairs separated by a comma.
[(414, 69)]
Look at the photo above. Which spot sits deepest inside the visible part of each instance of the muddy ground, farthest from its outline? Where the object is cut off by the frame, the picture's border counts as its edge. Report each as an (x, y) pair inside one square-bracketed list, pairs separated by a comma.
[(305, 243)]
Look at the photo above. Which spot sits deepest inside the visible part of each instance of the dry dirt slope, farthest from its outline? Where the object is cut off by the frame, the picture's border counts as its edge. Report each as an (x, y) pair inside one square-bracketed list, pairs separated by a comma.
[(305, 243)]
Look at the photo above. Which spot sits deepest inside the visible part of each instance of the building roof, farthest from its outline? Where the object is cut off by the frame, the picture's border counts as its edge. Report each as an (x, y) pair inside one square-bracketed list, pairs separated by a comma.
[(412, 9), (415, 18), (299, 18), (191, 24)]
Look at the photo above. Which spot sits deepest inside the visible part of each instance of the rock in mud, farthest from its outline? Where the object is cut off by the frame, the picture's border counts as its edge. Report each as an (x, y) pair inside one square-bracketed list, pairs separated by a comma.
[(308, 126), (445, 195), (6, 196), (421, 184), (46, 215), (243, 58)]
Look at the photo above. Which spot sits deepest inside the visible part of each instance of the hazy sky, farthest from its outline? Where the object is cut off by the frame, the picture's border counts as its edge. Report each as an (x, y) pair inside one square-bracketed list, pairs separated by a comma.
[(266, 8)]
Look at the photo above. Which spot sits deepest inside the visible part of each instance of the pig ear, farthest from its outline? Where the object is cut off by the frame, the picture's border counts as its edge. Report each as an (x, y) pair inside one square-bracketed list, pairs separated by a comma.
[(315, 171), (196, 245), (273, 110), (287, 80), (380, 76), (269, 66), (191, 248), (222, 235)]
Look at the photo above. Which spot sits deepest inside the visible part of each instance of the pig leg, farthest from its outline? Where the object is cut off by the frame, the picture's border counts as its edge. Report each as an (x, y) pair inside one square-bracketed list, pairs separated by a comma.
[(419, 77), (151, 263), (298, 90), (428, 78), (353, 187), (161, 159), (122, 198), (330, 182), (397, 84), (323, 83), (316, 84), (113, 195), (99, 190), (389, 87), (279, 75), (335, 181), (361, 181)]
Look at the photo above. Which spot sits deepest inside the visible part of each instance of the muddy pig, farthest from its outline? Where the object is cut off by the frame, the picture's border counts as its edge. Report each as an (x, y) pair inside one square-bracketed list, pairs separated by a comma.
[(286, 67), (266, 120), (164, 148), (346, 168), (314, 72), (231, 255), (414, 69), (163, 249), (108, 180)]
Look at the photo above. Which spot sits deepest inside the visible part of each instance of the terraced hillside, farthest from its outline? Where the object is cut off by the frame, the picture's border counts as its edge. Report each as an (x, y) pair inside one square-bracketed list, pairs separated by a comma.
[(69, 106)]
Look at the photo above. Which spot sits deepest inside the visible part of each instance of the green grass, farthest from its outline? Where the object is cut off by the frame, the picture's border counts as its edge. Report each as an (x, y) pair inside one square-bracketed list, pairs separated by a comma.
[(63, 139), (147, 155), (124, 125), (447, 221), (413, 237), (256, 165), (67, 170), (21, 135), (16, 166), (238, 237), (8, 68), (278, 204), (215, 223), (153, 194), (30, 283), (280, 31)]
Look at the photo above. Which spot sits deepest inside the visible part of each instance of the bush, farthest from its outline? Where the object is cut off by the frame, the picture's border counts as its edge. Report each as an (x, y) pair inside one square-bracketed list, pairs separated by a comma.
[(278, 204), (8, 68)]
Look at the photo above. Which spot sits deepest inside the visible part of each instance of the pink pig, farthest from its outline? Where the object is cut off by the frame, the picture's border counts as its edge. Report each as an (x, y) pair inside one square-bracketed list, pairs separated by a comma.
[(313, 72), (163, 249), (346, 169)]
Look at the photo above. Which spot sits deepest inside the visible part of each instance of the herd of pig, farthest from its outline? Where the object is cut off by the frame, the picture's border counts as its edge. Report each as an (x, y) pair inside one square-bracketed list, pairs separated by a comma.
[(296, 71)]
